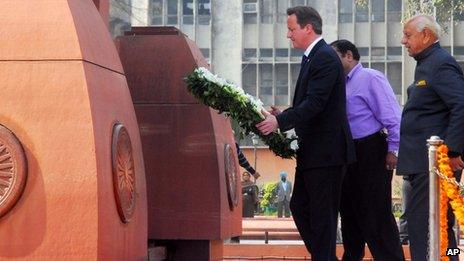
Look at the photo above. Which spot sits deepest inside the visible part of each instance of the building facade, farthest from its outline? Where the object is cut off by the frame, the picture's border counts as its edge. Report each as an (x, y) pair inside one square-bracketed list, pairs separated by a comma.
[(270, 66), (267, 65)]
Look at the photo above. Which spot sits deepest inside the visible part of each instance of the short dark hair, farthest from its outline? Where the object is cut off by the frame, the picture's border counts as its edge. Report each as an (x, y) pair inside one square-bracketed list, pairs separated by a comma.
[(343, 46), (307, 15)]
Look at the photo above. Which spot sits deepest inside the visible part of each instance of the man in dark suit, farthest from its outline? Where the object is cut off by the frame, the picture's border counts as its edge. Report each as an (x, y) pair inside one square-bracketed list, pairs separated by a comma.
[(318, 114), (435, 106)]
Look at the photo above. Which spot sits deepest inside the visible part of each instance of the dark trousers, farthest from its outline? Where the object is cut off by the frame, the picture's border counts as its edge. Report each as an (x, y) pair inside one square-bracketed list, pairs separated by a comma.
[(283, 207), (417, 215), (314, 205), (403, 226), (365, 206)]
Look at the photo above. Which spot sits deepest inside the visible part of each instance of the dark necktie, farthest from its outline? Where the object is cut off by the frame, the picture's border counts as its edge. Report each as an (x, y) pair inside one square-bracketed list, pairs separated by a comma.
[(304, 60)]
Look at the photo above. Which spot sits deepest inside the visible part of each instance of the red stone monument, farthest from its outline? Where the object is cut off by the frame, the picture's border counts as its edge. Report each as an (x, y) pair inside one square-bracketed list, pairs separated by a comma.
[(103, 7), (189, 150), (72, 181)]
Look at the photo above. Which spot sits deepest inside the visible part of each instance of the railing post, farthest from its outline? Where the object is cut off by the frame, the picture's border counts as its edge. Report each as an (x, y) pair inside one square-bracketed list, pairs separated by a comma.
[(434, 201)]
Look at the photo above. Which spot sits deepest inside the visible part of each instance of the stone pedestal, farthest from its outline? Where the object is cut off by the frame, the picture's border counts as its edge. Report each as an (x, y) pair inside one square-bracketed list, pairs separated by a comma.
[(103, 7), (65, 99), (193, 188)]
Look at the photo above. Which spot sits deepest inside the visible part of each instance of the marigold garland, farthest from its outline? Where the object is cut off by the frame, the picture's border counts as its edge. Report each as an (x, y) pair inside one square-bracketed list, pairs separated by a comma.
[(443, 221), (452, 195)]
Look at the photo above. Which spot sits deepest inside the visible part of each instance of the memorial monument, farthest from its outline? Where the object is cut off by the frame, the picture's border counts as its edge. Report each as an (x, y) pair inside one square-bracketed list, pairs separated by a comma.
[(72, 181), (193, 190)]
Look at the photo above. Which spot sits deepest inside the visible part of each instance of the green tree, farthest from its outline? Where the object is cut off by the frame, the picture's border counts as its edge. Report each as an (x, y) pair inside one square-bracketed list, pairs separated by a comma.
[(442, 10), (269, 196)]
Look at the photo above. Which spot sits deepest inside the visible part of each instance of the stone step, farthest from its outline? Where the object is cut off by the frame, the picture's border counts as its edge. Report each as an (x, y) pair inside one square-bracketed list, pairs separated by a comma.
[(280, 252)]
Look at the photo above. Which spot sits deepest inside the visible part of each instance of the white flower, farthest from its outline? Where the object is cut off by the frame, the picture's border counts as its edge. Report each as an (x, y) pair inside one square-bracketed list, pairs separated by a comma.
[(257, 103), (209, 76), (221, 82), (290, 134), (294, 145)]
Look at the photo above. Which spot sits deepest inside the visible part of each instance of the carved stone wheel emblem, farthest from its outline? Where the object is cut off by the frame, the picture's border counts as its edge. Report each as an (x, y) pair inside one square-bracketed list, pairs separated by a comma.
[(123, 172), (231, 176), (13, 170)]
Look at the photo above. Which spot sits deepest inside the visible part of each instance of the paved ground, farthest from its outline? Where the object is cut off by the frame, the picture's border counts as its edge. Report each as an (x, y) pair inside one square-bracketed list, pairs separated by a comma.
[(280, 226)]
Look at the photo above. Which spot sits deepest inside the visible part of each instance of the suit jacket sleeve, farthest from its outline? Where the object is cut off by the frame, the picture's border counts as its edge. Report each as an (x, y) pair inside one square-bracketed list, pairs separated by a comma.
[(449, 85), (323, 73)]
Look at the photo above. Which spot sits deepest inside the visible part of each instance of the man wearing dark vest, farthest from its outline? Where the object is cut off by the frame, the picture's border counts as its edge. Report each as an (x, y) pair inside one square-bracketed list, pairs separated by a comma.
[(318, 114), (435, 106)]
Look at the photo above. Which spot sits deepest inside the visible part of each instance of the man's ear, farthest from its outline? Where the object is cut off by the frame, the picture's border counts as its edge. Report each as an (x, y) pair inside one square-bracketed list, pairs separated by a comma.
[(309, 28), (428, 36), (349, 55)]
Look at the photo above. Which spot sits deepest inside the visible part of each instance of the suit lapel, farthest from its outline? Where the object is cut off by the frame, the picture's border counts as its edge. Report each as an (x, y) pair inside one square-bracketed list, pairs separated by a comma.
[(305, 68)]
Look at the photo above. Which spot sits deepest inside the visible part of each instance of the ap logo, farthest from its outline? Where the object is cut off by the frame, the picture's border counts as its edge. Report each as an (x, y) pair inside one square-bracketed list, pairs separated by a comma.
[(453, 251)]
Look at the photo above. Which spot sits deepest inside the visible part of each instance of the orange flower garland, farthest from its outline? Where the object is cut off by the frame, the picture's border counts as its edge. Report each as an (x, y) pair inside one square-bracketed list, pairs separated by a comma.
[(443, 221), (452, 193)]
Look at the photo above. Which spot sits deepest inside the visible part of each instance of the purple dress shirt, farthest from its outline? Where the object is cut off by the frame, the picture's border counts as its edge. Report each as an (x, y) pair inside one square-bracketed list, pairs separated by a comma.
[(371, 105)]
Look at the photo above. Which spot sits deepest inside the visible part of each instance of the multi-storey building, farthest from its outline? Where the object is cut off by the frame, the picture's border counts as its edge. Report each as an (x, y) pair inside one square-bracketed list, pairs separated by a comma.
[(269, 66)]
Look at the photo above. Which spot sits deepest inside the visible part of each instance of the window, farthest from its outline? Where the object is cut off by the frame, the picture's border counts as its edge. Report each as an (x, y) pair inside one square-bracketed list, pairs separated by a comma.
[(172, 12), (187, 12), (378, 10), (187, 7), (281, 85), (394, 50), (295, 71), (249, 53), (363, 51), (378, 51), (265, 84), (205, 52), (362, 13), (266, 11), (281, 53), (459, 16), (265, 53), (298, 2), (250, 19), (394, 76), (249, 78), (394, 53), (379, 67), (204, 12), (345, 11), (157, 7), (394, 10), (297, 53), (282, 11), (157, 21), (459, 50), (250, 10)]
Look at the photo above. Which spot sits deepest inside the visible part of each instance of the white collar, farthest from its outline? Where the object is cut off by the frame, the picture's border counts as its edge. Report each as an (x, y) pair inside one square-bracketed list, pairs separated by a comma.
[(311, 46)]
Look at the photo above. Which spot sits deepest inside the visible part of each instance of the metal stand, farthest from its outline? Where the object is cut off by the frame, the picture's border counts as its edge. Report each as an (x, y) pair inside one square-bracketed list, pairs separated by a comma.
[(434, 200)]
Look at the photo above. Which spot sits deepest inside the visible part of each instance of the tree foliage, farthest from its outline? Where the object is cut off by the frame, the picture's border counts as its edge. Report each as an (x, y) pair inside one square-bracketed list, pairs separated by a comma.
[(444, 11)]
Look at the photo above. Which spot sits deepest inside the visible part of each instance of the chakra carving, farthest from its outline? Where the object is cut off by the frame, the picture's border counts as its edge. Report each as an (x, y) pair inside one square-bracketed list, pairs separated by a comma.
[(231, 176), (123, 172), (13, 170)]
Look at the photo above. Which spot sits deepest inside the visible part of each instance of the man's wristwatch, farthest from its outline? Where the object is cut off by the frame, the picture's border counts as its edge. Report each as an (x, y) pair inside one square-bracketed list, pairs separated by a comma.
[(394, 152)]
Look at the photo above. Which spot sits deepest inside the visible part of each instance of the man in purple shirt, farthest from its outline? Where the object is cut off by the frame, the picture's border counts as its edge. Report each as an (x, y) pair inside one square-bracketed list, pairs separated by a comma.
[(365, 206)]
